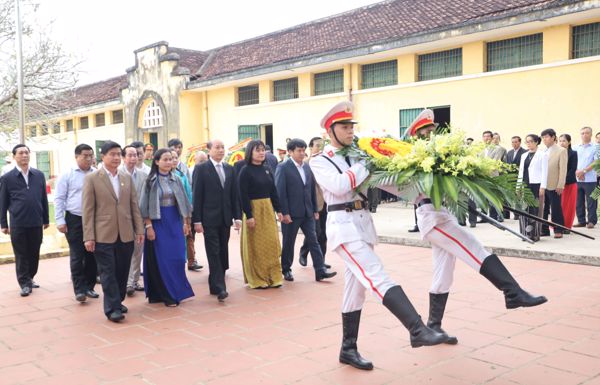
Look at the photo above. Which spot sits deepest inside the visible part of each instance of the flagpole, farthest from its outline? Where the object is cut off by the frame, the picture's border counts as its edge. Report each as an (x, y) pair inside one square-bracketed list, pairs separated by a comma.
[(20, 73)]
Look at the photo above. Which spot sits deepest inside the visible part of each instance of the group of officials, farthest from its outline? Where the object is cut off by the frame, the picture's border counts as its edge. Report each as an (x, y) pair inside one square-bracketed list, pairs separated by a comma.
[(101, 212)]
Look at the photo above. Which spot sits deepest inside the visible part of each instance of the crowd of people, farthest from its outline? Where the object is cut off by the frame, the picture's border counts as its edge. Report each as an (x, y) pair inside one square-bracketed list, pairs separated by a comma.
[(140, 210)]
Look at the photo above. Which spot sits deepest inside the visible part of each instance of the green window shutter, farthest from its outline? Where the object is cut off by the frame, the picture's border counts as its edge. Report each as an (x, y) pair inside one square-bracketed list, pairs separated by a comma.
[(442, 64), (248, 131), (117, 116), (285, 89), (248, 95), (512, 53), (586, 40), (379, 74), (329, 82), (43, 162), (406, 118)]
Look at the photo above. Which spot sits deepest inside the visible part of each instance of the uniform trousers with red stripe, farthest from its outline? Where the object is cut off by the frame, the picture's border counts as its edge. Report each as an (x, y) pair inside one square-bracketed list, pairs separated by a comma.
[(364, 271), (450, 241)]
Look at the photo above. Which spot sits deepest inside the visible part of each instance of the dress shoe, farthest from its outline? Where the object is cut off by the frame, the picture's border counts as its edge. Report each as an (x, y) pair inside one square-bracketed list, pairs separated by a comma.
[(138, 287), (472, 225), (222, 295), (415, 229), (92, 294), (124, 309), (130, 291), (590, 225), (327, 266), (80, 297), (558, 235), (34, 285), (302, 259), (324, 274), (25, 291), (195, 267), (579, 225), (116, 316), (288, 276)]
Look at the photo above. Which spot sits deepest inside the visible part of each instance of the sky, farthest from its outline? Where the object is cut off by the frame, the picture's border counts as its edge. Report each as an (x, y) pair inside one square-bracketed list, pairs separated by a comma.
[(104, 34)]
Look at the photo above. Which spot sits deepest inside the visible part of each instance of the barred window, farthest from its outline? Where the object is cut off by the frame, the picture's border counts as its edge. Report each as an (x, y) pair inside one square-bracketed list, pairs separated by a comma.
[(248, 131), (379, 74), (69, 125), (248, 95), (152, 116), (406, 118), (117, 116), (56, 128), (84, 122), (329, 82), (44, 129), (285, 89), (586, 40), (32, 131), (100, 119), (442, 64), (512, 53)]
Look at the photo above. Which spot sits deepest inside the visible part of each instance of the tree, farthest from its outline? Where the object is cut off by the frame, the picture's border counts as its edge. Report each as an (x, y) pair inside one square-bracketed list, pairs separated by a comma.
[(47, 69)]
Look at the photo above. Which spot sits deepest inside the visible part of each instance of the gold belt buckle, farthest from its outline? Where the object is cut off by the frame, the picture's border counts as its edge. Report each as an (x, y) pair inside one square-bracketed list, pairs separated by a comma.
[(357, 205)]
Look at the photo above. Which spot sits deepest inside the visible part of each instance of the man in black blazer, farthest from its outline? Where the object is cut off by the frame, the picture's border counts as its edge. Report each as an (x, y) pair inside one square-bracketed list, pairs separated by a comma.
[(297, 197), (216, 207), (513, 156), (23, 195)]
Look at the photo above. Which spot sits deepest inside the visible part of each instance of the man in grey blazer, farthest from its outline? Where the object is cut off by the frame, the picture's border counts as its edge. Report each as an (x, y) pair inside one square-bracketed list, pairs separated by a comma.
[(138, 176), (111, 224)]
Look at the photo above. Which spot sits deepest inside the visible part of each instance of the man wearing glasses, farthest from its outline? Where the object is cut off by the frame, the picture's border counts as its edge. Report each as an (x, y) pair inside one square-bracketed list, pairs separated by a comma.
[(67, 212)]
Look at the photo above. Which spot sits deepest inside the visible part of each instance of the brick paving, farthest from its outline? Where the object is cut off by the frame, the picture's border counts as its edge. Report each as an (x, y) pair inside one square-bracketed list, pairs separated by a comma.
[(292, 335)]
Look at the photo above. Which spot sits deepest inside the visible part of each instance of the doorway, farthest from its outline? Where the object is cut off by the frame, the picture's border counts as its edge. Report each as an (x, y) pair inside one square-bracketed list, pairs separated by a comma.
[(441, 115), (266, 132)]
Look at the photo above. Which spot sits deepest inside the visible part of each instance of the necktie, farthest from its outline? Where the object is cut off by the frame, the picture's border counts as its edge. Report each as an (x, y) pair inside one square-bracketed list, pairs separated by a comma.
[(347, 159), (221, 173)]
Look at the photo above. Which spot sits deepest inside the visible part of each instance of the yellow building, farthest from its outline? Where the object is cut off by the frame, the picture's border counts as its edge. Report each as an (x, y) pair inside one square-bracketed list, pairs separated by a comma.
[(510, 66)]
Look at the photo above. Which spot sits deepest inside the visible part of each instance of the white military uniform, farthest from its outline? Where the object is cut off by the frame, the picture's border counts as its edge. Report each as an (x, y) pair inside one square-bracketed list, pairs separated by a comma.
[(350, 234), (448, 241)]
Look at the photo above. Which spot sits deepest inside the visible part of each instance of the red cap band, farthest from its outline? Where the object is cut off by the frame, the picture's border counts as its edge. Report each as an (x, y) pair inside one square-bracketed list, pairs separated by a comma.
[(338, 116)]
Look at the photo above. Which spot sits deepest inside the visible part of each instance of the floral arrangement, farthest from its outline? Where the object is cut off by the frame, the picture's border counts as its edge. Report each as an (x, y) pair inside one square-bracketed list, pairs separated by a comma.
[(444, 168)]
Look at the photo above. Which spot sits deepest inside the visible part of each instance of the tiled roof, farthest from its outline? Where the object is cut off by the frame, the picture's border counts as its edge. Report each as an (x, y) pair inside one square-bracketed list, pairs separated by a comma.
[(88, 94), (374, 24), (377, 23), (189, 59)]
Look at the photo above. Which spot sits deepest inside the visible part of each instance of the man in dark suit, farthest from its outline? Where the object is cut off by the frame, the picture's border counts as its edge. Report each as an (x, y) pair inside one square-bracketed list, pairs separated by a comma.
[(111, 223), (23, 195), (216, 208), (513, 156), (270, 159), (297, 197)]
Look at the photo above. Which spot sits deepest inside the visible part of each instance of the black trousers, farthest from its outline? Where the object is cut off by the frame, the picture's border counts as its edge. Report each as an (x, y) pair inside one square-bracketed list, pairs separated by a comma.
[(585, 201), (552, 205), (114, 260), (216, 244), (290, 232), (83, 263), (321, 230), (26, 242)]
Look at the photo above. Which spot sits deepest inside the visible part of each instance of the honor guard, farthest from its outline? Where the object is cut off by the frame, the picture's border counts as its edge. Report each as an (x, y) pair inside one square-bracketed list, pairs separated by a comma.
[(448, 241), (351, 234)]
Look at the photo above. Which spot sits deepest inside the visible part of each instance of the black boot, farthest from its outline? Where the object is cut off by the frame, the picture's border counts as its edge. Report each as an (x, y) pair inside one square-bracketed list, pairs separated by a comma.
[(437, 305), (515, 297), (349, 353), (420, 335)]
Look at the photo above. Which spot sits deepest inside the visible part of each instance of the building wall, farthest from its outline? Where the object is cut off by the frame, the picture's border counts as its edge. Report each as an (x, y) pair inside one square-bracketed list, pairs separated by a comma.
[(558, 93)]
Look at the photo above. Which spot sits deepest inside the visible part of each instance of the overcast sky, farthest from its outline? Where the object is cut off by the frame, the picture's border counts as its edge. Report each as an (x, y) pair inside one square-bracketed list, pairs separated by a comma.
[(105, 33)]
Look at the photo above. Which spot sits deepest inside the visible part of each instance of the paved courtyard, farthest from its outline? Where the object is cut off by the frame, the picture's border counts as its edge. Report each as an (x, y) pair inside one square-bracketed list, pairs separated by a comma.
[(292, 335)]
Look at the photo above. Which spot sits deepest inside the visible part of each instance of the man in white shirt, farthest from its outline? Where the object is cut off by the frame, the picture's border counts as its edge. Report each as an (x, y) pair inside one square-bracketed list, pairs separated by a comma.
[(67, 213), (139, 147)]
